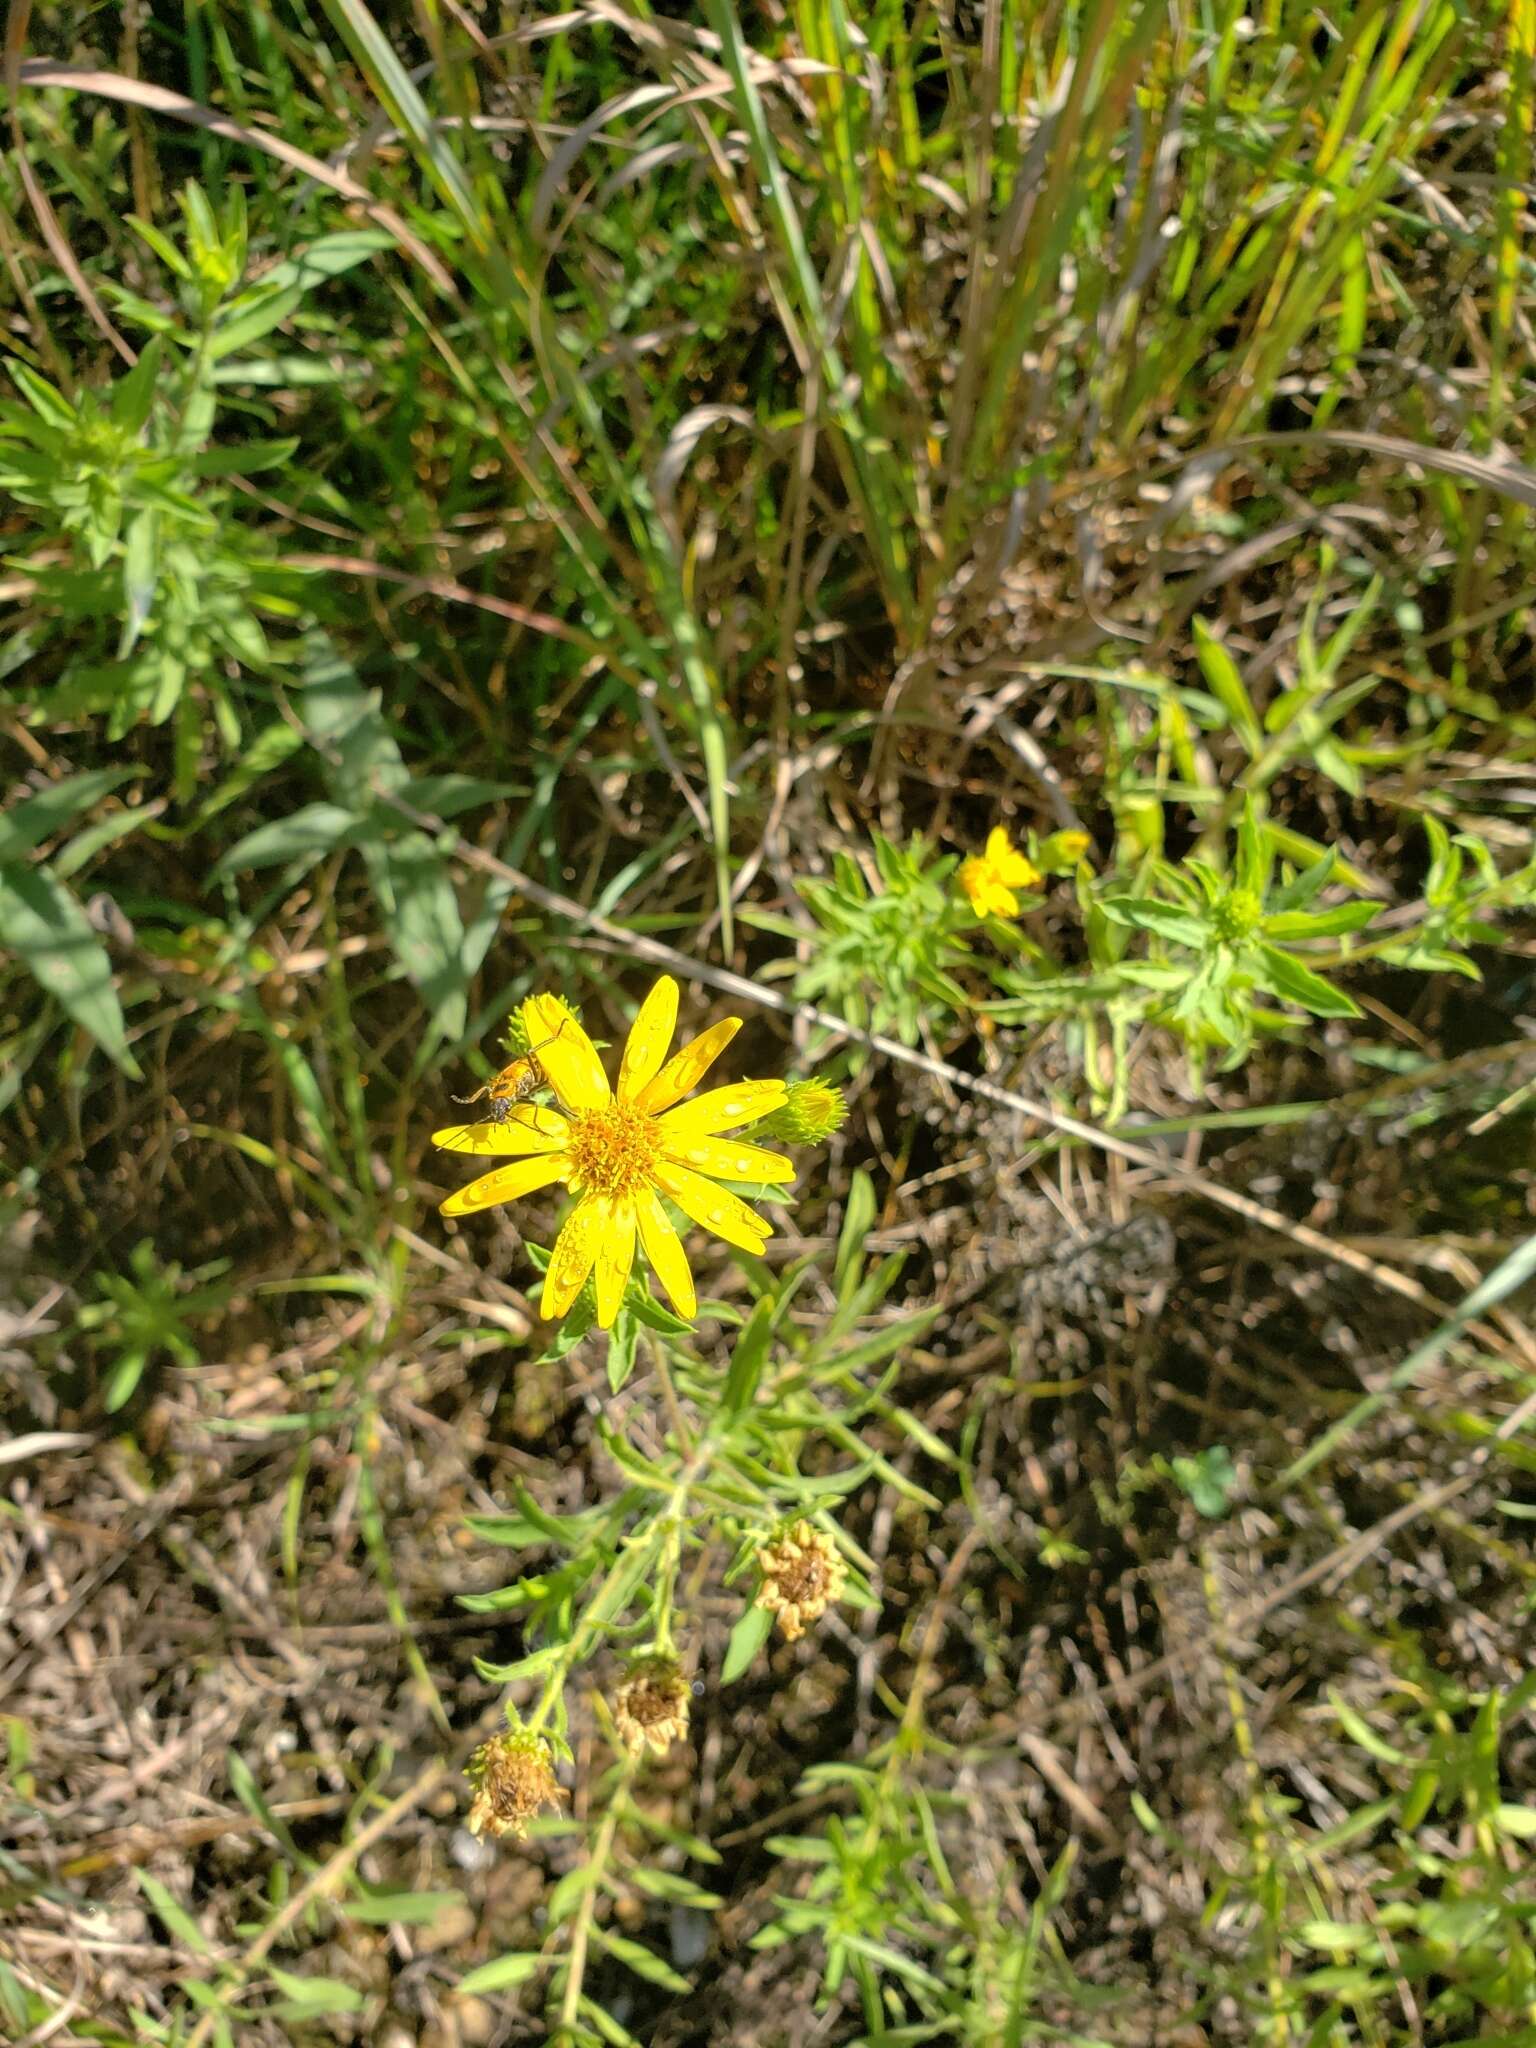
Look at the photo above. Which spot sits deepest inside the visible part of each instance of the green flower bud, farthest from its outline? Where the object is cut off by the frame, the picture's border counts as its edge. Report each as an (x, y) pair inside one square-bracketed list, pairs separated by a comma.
[(1062, 852), (811, 1112), (517, 1038), (1236, 916)]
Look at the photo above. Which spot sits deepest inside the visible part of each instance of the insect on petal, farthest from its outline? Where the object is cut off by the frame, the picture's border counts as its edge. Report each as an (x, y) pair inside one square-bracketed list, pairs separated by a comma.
[(507, 1183), (565, 1053), (571, 1260), (649, 1037), (528, 1129), (712, 1207), (687, 1068), (725, 1159), (722, 1109), (615, 1256), (664, 1249)]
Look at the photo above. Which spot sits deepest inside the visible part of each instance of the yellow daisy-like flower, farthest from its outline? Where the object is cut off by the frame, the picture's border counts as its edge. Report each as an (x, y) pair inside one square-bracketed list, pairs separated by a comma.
[(990, 879), (620, 1150)]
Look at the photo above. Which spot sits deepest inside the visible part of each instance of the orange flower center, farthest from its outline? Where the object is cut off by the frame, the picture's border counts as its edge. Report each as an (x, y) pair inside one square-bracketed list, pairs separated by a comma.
[(612, 1150)]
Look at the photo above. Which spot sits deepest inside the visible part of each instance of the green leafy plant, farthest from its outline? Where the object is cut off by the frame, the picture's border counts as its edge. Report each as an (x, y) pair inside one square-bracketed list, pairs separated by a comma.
[(1219, 940), (145, 1313), (887, 950), (769, 1439), (42, 923)]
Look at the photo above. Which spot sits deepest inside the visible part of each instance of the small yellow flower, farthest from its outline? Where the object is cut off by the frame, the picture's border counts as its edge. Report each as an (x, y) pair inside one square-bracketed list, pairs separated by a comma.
[(513, 1776), (620, 1151), (990, 879), (650, 1709), (803, 1573)]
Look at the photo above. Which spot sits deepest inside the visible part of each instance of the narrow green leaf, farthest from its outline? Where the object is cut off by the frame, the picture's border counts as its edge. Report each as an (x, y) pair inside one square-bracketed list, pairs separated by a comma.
[(501, 1974), (1228, 688), (401, 1909), (747, 1638), (1360, 1731), (43, 925), (1148, 915), (622, 1341), (1287, 977), (308, 832), (48, 404), (1320, 924), (125, 1375), (748, 1358), (635, 1956), (54, 809), (421, 915), (176, 1918), (307, 1997), (859, 1214), (268, 750)]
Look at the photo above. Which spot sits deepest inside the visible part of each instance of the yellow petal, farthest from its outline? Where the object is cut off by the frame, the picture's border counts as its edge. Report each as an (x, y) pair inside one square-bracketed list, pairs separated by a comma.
[(571, 1260), (615, 1256), (722, 1109), (649, 1037), (507, 1183), (975, 880), (664, 1250), (528, 1129), (999, 845), (1002, 902), (1018, 871), (565, 1053), (713, 1207), (725, 1159), (687, 1068)]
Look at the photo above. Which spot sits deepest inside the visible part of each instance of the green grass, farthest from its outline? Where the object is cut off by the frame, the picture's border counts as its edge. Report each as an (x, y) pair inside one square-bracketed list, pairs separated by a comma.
[(505, 505)]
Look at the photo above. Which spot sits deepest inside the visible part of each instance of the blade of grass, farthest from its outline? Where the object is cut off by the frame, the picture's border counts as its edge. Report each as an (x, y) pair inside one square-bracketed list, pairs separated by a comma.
[(1510, 1273)]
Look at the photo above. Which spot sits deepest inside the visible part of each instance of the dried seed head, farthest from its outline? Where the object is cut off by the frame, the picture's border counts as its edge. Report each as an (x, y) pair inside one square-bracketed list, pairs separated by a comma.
[(803, 1573), (650, 1709), (513, 1776)]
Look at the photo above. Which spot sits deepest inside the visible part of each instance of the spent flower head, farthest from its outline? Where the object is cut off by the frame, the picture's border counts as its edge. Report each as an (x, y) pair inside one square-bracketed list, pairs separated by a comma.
[(650, 1709), (513, 1775), (991, 879), (620, 1150), (802, 1574)]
